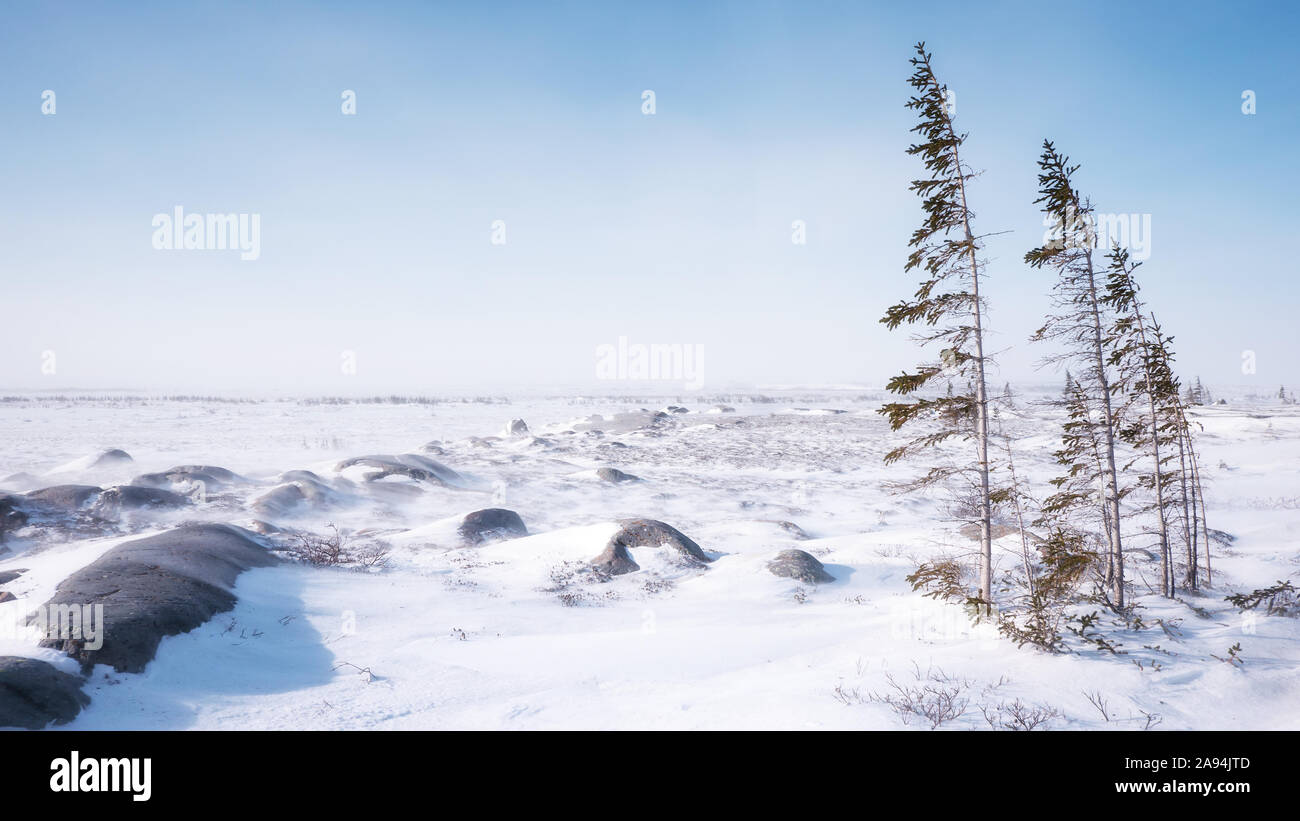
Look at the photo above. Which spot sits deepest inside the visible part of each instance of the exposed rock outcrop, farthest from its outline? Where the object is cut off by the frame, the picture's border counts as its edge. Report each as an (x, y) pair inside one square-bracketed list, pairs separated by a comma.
[(152, 588), (798, 564), (491, 524), (34, 693), (616, 560)]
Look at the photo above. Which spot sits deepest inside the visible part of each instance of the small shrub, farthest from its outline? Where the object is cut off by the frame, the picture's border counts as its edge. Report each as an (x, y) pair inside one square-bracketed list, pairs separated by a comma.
[(935, 699), (335, 549), (1016, 715), (1051, 588), (1234, 658), (568, 578)]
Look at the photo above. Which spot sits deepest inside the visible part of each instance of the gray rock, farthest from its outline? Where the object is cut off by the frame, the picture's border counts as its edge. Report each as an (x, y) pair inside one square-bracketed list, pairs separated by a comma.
[(5, 596), (20, 481), (301, 493), (414, 465), (642, 420), (280, 500), (12, 516), (491, 524), (34, 693), (155, 587), (1222, 538), (264, 528), (517, 427), (65, 497), (615, 560), (112, 458), (616, 476), (301, 476), (114, 500), (7, 576), (793, 529), (797, 564), (211, 476)]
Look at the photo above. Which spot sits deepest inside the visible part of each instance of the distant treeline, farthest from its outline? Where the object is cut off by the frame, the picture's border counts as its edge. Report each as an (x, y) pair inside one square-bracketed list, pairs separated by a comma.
[(397, 399)]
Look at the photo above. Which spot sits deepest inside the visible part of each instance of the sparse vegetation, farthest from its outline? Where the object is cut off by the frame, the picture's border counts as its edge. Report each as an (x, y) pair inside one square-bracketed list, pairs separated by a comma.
[(1016, 715), (944, 580), (934, 699), (1278, 600), (336, 549), (569, 581)]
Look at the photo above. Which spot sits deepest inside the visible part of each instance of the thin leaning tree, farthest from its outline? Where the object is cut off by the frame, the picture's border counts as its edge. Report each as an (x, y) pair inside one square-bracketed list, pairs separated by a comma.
[(947, 305), (1141, 359), (1080, 325)]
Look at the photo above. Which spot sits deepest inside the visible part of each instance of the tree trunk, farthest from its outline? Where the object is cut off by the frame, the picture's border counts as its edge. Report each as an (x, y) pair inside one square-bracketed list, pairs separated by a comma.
[(1200, 494), (981, 401), (1166, 557), (1108, 441), (1184, 470)]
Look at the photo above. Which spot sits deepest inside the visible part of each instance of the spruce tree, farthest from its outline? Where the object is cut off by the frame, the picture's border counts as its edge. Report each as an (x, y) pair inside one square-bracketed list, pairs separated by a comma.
[(1080, 325), (1143, 375), (1081, 488), (947, 304)]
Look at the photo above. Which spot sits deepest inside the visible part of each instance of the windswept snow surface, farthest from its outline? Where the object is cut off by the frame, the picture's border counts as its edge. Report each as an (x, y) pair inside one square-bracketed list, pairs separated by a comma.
[(516, 634)]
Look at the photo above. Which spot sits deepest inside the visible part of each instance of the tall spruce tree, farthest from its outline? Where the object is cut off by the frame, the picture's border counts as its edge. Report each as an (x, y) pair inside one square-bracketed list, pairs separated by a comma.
[(1080, 324), (947, 304), (1145, 380), (1174, 418), (1187, 479)]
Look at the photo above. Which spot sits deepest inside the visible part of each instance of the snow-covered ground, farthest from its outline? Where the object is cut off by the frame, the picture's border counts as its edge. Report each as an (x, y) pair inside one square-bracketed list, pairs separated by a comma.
[(512, 634)]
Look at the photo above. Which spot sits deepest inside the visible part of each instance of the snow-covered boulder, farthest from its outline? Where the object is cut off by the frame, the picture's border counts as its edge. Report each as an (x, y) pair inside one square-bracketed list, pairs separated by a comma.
[(12, 516), (800, 565), (210, 476), (154, 587), (413, 466), (65, 497), (615, 559), (112, 458), (301, 490), (34, 693), (615, 476), (491, 524), (114, 500)]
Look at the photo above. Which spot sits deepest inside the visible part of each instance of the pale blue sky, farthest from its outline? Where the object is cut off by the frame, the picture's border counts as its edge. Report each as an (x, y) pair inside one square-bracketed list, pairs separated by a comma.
[(669, 228)]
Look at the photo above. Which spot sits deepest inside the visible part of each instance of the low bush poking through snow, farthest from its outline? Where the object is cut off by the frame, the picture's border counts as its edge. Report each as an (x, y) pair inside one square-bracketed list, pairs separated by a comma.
[(1016, 715), (568, 580), (932, 700), (935, 699), (335, 549)]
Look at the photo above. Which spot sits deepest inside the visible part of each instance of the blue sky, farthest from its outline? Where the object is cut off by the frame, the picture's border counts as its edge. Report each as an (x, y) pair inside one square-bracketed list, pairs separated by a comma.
[(670, 228)]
